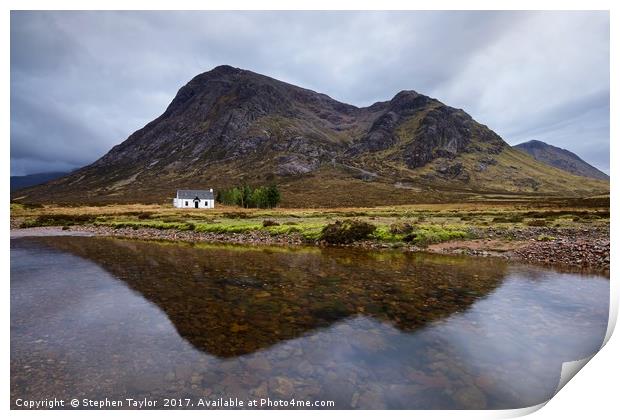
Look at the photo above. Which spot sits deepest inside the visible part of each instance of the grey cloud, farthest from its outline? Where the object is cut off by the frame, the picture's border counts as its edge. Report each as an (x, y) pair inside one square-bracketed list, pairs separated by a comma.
[(40, 133), (81, 82)]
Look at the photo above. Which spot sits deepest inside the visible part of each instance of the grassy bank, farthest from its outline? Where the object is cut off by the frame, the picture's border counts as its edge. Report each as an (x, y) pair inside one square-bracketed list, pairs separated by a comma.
[(416, 224)]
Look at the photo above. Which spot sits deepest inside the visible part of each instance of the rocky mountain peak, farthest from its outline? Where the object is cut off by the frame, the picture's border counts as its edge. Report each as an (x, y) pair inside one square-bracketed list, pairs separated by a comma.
[(409, 100), (534, 144)]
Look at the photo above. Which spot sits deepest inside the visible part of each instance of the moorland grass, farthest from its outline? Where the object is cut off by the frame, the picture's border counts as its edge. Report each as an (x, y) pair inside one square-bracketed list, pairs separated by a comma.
[(416, 224)]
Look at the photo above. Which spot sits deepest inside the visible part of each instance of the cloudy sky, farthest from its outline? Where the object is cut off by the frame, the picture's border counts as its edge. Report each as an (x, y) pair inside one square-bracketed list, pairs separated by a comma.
[(81, 82)]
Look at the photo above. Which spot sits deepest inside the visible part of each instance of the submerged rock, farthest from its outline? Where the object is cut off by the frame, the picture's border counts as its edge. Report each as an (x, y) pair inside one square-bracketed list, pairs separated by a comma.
[(470, 398), (281, 387)]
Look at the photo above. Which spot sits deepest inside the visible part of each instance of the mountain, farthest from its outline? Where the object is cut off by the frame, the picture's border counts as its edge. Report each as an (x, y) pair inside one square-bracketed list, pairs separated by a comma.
[(18, 182), (230, 126), (561, 159)]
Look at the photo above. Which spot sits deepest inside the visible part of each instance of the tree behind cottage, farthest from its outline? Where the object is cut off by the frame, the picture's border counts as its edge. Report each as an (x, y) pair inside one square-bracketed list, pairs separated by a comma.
[(246, 196)]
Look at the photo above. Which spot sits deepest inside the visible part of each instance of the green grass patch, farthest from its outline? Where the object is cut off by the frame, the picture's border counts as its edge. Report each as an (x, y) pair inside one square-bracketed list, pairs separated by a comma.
[(427, 235), (25, 206), (147, 224), (387, 234), (227, 226)]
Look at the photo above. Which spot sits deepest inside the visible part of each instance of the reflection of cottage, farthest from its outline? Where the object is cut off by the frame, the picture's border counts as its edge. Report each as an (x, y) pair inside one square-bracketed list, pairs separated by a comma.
[(196, 199)]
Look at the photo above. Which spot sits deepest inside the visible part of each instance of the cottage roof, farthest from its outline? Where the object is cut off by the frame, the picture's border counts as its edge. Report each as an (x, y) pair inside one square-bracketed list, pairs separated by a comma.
[(191, 194)]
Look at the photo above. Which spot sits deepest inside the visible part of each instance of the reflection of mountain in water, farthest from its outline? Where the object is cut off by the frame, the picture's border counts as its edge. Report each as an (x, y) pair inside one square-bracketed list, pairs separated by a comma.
[(229, 301)]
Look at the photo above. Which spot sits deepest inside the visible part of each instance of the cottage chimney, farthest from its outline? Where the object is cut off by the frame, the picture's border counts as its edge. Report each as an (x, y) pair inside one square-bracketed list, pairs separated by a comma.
[(210, 189)]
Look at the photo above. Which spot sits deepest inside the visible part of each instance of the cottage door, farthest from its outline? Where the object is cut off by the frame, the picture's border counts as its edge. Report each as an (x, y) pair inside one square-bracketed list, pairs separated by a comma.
[(196, 202)]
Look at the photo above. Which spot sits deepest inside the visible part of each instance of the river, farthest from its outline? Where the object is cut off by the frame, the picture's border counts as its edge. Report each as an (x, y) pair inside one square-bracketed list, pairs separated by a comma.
[(96, 318)]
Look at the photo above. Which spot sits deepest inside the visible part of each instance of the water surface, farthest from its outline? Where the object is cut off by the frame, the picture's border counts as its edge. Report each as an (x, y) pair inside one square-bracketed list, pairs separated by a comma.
[(99, 317)]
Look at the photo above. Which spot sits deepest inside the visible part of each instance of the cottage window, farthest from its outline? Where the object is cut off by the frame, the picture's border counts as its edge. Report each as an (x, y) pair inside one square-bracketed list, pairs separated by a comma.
[(186, 203)]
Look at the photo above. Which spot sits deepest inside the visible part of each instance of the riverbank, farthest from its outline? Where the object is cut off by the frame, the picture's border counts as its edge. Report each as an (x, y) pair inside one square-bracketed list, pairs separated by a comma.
[(574, 249), (571, 235)]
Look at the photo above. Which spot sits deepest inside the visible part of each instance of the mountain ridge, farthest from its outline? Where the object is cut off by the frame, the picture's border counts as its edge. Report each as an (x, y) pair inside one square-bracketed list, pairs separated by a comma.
[(561, 159), (231, 126), (24, 181)]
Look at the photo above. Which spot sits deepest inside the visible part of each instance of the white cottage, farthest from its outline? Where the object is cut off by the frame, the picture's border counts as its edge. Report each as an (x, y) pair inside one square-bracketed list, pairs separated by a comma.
[(195, 199)]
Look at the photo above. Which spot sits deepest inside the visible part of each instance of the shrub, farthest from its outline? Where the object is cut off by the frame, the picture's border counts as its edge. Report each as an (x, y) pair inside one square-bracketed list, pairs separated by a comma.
[(537, 222), (347, 231), (401, 228)]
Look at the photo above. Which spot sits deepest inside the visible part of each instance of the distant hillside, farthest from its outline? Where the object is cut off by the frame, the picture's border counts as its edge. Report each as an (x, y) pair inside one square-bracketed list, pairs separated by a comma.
[(561, 159), (231, 126), (18, 182)]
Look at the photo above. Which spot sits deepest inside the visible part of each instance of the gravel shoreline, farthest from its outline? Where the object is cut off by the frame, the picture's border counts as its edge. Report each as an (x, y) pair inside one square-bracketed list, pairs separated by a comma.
[(578, 249)]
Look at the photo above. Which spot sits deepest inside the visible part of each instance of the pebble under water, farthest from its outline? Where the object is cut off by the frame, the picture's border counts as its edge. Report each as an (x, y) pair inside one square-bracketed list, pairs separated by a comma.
[(110, 318)]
